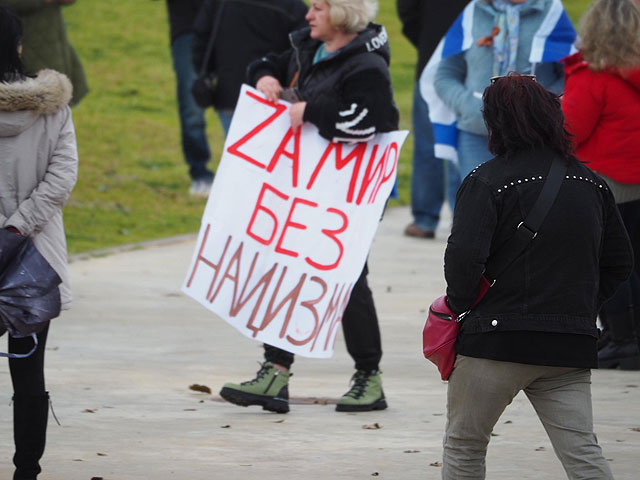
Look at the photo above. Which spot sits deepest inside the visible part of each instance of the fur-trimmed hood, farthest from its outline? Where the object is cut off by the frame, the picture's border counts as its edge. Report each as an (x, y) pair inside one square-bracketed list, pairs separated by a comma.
[(47, 93), (22, 102)]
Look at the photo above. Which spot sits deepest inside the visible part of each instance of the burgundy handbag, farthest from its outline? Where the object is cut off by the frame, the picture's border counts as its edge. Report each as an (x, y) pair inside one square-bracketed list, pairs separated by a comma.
[(441, 329)]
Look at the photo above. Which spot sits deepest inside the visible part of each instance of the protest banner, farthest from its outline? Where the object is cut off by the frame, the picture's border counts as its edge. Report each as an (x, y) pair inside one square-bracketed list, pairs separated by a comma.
[(288, 225)]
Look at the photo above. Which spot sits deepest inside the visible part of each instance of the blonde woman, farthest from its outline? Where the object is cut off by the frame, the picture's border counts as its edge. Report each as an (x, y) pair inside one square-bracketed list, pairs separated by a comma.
[(602, 110), (339, 69)]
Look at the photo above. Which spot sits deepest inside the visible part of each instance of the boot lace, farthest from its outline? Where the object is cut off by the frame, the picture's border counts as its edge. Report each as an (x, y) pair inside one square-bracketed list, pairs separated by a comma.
[(263, 372), (360, 381)]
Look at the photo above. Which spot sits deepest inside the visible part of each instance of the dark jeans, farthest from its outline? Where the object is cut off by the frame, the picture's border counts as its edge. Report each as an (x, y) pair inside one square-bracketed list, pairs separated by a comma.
[(192, 123), (27, 374), (432, 179), (359, 326)]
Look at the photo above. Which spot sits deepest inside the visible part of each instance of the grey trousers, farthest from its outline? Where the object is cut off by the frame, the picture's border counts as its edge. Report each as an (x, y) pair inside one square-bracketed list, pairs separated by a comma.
[(480, 390)]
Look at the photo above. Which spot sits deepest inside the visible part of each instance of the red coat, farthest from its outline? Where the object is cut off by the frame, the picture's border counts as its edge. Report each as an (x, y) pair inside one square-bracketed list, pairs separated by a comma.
[(602, 111)]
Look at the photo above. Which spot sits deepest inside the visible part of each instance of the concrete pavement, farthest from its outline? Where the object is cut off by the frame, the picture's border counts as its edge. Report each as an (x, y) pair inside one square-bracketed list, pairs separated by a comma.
[(120, 363)]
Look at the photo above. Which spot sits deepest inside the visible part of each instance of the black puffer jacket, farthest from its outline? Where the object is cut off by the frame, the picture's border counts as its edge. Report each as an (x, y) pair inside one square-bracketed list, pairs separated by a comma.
[(579, 257), (248, 30), (349, 95)]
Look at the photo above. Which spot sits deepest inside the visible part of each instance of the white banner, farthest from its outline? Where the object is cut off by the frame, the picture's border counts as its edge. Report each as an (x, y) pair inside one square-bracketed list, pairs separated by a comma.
[(288, 226)]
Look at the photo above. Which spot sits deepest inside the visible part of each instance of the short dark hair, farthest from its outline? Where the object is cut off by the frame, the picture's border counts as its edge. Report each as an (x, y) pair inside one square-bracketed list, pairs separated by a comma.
[(521, 114), (11, 65)]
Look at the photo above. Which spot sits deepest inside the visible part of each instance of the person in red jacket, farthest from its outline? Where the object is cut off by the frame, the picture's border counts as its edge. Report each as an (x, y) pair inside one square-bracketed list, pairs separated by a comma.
[(602, 110)]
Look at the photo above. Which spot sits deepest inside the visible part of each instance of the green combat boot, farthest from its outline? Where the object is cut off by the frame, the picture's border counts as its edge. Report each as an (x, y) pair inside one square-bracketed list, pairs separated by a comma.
[(269, 389), (364, 395)]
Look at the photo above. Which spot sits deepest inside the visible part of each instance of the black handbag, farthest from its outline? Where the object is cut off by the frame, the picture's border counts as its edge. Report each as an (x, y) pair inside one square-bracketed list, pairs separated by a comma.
[(29, 293), (205, 85)]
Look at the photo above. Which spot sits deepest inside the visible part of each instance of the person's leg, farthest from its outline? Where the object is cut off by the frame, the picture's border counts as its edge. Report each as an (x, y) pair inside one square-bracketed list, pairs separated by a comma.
[(472, 151), (362, 337), (479, 391), (562, 400), (225, 117), (195, 146), (30, 405), (622, 311), (427, 177), (270, 387), (360, 326), (453, 182)]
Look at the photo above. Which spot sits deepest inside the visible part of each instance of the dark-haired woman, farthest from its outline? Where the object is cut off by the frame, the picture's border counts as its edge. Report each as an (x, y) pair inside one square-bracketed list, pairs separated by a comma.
[(535, 329), (38, 170)]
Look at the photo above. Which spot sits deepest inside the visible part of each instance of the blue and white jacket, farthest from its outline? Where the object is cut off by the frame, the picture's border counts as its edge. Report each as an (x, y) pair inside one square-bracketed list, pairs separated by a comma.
[(455, 77)]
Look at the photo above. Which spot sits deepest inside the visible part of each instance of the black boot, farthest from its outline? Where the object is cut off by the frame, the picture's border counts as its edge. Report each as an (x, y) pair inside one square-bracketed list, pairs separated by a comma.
[(29, 433), (622, 350)]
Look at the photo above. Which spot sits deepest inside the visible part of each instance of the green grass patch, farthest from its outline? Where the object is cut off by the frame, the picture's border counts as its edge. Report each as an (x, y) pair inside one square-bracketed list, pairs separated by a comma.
[(133, 182)]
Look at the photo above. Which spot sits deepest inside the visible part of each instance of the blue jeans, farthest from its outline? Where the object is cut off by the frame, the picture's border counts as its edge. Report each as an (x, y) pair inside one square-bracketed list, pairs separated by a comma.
[(192, 123), (428, 178), (472, 151), (225, 117)]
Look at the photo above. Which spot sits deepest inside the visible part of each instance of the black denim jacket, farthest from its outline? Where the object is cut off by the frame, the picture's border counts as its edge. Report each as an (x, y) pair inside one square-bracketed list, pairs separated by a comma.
[(577, 260)]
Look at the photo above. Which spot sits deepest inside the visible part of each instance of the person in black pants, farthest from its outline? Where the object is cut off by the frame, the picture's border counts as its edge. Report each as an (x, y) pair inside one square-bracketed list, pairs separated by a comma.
[(38, 170), (30, 403), (339, 72)]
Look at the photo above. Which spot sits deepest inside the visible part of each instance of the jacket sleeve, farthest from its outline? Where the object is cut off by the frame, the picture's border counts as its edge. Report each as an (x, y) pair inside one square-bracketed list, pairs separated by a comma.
[(24, 7), (273, 64), (474, 222), (35, 211), (409, 13), (450, 86), (582, 105), (364, 103), (616, 260), (202, 27)]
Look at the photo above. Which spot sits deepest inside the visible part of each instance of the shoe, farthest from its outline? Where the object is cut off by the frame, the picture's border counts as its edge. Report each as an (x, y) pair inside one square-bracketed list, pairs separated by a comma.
[(200, 188), (269, 389), (414, 230), (365, 394)]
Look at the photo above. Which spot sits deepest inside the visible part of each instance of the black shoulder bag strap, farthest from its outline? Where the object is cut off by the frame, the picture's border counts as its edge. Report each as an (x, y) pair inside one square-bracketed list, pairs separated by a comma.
[(528, 229), (212, 38)]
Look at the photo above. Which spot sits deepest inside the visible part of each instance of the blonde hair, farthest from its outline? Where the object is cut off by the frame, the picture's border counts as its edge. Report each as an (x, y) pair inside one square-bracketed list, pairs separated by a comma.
[(610, 34), (352, 16)]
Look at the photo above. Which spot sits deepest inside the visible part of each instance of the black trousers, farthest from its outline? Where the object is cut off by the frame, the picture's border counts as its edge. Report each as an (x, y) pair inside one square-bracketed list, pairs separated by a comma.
[(359, 326), (27, 374)]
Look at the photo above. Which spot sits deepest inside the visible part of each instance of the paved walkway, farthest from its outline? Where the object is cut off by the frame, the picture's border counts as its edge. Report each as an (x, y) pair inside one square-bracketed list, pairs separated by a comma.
[(120, 364)]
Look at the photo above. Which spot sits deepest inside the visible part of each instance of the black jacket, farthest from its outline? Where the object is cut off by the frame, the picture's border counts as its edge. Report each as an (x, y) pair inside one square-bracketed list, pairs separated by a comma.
[(182, 15), (349, 95), (424, 23), (579, 257), (248, 30)]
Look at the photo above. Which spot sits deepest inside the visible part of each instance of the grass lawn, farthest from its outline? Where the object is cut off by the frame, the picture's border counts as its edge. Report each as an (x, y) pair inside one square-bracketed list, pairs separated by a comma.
[(133, 181)]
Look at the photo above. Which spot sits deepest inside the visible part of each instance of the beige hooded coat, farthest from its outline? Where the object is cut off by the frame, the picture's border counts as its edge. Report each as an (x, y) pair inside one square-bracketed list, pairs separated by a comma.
[(38, 164)]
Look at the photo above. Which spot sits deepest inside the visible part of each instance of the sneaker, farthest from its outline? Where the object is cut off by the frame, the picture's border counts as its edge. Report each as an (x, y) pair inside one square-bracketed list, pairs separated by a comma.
[(200, 188), (269, 389), (365, 394), (414, 230)]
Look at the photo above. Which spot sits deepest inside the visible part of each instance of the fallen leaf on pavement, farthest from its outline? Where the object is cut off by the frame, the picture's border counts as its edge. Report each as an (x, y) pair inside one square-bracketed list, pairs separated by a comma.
[(435, 464), (373, 426), (199, 388)]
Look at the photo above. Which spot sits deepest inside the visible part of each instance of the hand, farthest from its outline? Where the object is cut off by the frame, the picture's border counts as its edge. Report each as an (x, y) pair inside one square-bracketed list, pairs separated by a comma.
[(296, 113), (270, 87)]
